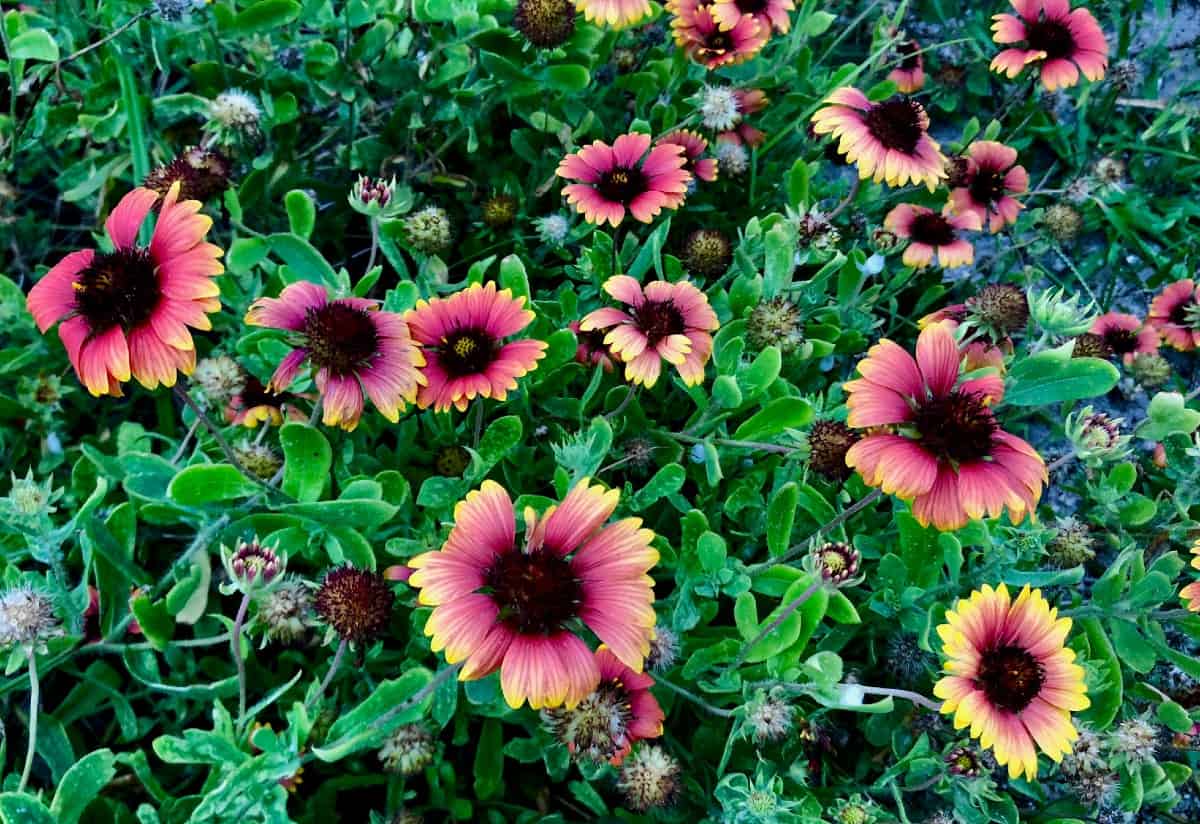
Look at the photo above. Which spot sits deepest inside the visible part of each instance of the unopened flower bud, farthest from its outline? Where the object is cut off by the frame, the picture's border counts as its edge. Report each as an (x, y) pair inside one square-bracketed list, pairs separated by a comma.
[(429, 230), (408, 750), (1056, 314)]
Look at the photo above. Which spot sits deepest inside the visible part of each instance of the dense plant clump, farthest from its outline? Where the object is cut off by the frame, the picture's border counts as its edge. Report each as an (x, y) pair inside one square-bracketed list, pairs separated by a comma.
[(734, 411)]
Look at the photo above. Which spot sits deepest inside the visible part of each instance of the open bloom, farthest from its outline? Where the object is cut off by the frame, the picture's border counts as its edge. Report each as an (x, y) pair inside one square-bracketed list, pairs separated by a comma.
[(942, 448), (500, 605), (930, 234), (1175, 313), (127, 313), (1010, 677), (606, 724), (669, 322), (256, 404), (698, 33), (1125, 335), (909, 76), (888, 141), (616, 13), (1063, 41), (1190, 594), (463, 338), (695, 164), (771, 14), (591, 349), (627, 175), (355, 349), (987, 185)]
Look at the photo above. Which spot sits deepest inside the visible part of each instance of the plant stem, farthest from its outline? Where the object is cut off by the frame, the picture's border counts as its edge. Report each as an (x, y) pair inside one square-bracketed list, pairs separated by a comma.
[(907, 695), (779, 449), (417, 697), (695, 699), (334, 665), (182, 393), (802, 547), (1060, 462), (105, 646), (792, 606), (477, 427), (235, 639), (35, 695), (374, 244), (186, 439), (846, 201), (631, 392)]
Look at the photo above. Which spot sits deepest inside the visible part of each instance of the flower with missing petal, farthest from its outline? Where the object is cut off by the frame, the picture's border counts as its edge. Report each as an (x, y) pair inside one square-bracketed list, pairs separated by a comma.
[(695, 164), (357, 351), (932, 235), (988, 185), (1175, 313), (1125, 335), (1010, 676), (1062, 42), (630, 175)]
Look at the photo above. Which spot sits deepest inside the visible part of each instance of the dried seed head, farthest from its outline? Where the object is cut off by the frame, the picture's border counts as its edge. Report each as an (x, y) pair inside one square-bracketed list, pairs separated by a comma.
[(201, 173), (828, 443), (27, 618), (650, 778), (219, 378), (260, 459), (775, 322), (355, 602), (664, 649), (429, 230), (408, 750), (769, 718), (545, 23), (1091, 345), (1063, 222), (286, 612), (1001, 307), (1151, 370), (707, 253), (499, 211), (1071, 545)]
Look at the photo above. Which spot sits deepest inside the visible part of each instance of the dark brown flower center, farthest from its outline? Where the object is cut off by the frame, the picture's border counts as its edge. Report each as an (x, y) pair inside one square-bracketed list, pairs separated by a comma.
[(1121, 341), (987, 186), (752, 6), (1051, 37), (957, 427), (659, 319), (341, 338), (118, 289), (593, 342), (621, 185), (1010, 677), (719, 41), (911, 51), (537, 592), (467, 352), (898, 123), (933, 229), (255, 394)]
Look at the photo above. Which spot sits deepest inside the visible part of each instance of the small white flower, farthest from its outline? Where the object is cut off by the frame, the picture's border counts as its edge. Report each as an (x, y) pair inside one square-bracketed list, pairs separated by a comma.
[(236, 109), (719, 108), (27, 617), (733, 158), (553, 229)]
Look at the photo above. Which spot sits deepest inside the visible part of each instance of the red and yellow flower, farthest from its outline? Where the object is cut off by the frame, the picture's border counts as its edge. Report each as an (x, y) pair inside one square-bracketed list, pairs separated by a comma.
[(463, 340), (988, 184), (933, 439), (694, 145), (256, 404), (1125, 335), (932, 235), (699, 34), (1175, 313), (771, 14), (889, 141), (1190, 594), (518, 607), (909, 76), (617, 14), (1010, 677), (128, 313), (356, 350), (629, 175), (669, 322), (1062, 41), (591, 350)]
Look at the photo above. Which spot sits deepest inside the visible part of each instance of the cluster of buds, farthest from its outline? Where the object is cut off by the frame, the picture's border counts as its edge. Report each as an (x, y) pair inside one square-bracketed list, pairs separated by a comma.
[(1055, 314), (379, 198), (252, 567), (29, 502), (1096, 437), (838, 564)]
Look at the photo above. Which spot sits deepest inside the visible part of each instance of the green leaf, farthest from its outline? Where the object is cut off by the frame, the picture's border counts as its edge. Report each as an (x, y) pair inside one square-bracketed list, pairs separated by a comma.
[(1054, 376), (489, 760), (711, 551), (81, 785), (1131, 647), (725, 392), (209, 483), (1106, 685), (302, 259), (22, 808), (775, 417), (301, 211), (780, 260), (34, 44), (307, 459), (1167, 415), (263, 15), (781, 514), (156, 621), (512, 276), (361, 728), (1174, 716), (666, 481), (364, 514), (568, 78)]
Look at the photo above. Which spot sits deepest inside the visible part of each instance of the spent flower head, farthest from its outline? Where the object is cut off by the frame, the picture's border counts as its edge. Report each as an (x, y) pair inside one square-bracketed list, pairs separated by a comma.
[(429, 230), (286, 611), (218, 377), (408, 750), (552, 229), (650, 778), (355, 603), (27, 619)]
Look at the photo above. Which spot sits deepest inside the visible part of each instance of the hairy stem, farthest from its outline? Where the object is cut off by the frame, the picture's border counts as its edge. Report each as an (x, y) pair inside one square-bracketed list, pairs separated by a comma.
[(35, 695), (695, 699), (334, 666), (235, 639), (792, 606), (802, 547)]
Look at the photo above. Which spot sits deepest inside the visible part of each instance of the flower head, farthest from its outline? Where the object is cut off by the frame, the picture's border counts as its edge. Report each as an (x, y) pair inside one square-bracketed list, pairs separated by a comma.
[(965, 761), (988, 184), (909, 76), (500, 210), (27, 618), (617, 14), (253, 566), (837, 563), (1091, 345), (1095, 437), (1175, 313), (260, 459), (1010, 677), (1125, 335), (770, 14), (888, 141), (1062, 221), (698, 32), (201, 173), (651, 778), (408, 750), (553, 229), (945, 451), (591, 350), (664, 649), (236, 111), (828, 443), (719, 108), (775, 322), (732, 158), (769, 717), (1190, 594), (546, 24), (127, 313), (500, 605), (606, 724), (356, 603), (629, 175), (931, 235), (707, 253), (1052, 312), (356, 350), (286, 611), (463, 336), (1001, 308), (695, 164), (669, 322), (254, 404), (218, 378), (1061, 41)]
